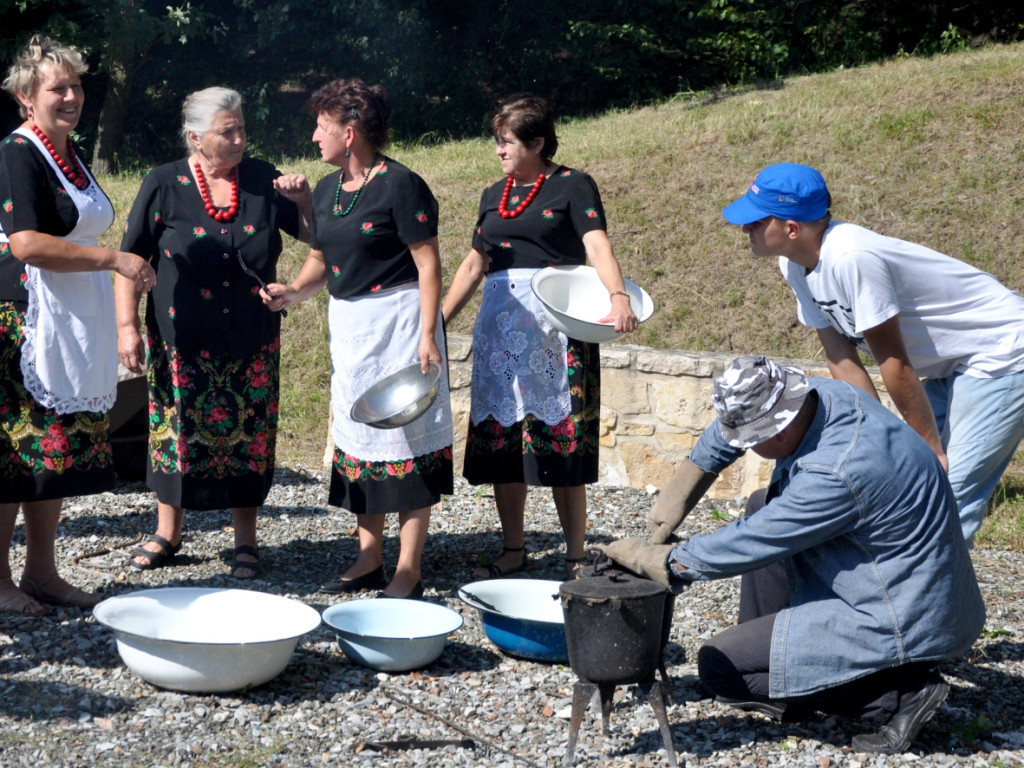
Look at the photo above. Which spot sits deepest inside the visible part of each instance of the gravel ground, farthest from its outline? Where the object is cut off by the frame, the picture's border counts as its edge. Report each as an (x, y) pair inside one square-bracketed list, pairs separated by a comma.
[(67, 700)]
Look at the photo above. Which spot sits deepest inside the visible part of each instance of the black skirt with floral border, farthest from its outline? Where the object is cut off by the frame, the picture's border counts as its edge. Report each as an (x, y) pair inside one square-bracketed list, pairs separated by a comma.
[(44, 455), (379, 487), (212, 426), (560, 455)]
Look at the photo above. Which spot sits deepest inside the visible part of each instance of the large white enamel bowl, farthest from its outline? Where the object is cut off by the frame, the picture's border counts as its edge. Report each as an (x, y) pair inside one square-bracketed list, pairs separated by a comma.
[(206, 640), (523, 617), (574, 299), (392, 635)]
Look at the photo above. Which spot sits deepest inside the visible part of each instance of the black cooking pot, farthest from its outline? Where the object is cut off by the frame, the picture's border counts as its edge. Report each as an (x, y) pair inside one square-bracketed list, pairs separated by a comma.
[(615, 624)]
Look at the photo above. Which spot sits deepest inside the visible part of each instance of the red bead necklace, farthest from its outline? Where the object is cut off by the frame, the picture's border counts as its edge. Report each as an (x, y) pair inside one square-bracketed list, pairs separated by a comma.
[(503, 205), (211, 209), (73, 169)]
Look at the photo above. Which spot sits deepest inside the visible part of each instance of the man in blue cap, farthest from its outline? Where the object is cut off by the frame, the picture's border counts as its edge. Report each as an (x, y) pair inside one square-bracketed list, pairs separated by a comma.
[(920, 314), (856, 580)]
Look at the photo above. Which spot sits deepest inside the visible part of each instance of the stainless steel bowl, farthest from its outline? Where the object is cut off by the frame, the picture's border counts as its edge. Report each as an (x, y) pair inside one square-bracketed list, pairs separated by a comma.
[(399, 398)]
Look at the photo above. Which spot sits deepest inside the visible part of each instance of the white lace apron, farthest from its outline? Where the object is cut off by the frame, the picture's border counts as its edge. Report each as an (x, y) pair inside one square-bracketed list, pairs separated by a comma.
[(69, 356), (519, 359), (371, 337)]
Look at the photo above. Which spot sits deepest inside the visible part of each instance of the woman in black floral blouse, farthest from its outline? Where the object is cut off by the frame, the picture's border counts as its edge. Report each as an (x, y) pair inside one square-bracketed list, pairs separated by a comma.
[(374, 246), (213, 346), (58, 356), (535, 393)]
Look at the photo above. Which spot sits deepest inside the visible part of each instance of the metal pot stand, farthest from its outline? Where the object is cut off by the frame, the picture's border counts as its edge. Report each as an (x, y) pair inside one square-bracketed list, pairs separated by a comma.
[(616, 627)]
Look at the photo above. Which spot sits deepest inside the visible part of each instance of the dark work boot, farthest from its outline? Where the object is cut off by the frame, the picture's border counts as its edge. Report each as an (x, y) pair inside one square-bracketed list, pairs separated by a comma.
[(915, 710)]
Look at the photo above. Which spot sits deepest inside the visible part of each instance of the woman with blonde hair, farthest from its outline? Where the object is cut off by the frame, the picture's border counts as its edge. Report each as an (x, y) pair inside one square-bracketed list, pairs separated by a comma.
[(58, 353)]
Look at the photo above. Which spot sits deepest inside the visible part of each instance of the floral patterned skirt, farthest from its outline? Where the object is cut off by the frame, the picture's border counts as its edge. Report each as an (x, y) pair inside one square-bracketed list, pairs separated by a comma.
[(212, 426), (530, 451), (379, 487), (44, 455)]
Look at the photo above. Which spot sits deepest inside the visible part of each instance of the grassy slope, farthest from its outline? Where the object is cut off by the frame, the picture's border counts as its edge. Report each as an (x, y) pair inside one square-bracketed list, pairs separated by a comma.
[(924, 149)]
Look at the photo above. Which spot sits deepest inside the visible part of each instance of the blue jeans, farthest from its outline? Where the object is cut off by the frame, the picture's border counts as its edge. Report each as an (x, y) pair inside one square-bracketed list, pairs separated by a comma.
[(981, 422)]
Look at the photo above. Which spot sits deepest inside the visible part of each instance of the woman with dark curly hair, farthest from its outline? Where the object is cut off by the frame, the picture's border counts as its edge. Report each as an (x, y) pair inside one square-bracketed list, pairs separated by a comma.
[(374, 246), (535, 392)]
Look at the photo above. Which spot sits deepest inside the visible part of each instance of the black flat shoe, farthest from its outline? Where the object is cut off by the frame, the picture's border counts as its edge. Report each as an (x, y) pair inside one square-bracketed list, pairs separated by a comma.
[(415, 594), (375, 579)]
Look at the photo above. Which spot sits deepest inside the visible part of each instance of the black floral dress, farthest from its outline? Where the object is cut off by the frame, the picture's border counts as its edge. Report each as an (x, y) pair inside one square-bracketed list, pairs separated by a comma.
[(43, 455), (535, 449), (212, 345)]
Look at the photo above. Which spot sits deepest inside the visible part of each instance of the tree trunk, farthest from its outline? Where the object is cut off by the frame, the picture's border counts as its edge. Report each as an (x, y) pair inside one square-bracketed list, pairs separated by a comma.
[(111, 123)]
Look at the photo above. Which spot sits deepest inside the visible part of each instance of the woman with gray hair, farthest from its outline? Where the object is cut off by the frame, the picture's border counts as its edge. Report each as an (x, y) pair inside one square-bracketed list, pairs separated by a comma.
[(58, 359), (210, 225)]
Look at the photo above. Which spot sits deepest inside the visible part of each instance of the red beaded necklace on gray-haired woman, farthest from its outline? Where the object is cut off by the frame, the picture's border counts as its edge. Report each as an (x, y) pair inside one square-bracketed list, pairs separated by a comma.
[(211, 224)]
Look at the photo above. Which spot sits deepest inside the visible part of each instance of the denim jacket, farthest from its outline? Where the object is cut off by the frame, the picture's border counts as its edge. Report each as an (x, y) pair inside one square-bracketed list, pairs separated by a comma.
[(864, 517)]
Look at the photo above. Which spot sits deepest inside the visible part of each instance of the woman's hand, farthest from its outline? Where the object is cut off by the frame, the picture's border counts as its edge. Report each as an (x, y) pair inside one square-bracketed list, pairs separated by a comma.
[(621, 314), (130, 349), (294, 187), (428, 351), (136, 269), (599, 251), (311, 278), (278, 297)]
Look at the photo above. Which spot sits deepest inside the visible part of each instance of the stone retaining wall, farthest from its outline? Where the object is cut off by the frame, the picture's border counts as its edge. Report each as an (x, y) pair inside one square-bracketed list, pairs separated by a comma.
[(654, 405)]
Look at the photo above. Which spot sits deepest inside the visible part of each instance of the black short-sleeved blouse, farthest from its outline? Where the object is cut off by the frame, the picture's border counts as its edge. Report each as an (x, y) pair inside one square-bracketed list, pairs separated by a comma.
[(202, 301), (549, 231), (31, 198), (368, 250)]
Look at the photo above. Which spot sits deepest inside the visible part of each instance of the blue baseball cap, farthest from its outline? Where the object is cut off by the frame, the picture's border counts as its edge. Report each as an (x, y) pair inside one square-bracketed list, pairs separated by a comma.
[(788, 191)]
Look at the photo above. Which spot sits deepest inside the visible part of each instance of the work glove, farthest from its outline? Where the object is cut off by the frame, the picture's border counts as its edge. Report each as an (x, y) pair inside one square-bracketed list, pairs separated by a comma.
[(680, 495), (642, 558)]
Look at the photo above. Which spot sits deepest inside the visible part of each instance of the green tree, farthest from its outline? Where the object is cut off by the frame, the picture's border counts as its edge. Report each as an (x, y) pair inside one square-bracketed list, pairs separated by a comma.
[(119, 34)]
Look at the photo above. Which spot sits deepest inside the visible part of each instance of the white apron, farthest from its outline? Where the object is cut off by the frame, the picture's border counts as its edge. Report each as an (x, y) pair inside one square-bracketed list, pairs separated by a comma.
[(371, 337), (69, 356), (519, 358)]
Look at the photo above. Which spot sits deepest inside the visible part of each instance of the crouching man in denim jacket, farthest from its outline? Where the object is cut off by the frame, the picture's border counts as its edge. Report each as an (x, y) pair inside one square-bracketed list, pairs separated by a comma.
[(857, 578)]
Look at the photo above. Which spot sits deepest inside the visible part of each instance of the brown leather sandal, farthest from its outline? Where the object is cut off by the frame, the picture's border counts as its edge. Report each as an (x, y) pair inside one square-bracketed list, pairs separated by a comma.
[(67, 596), (22, 604)]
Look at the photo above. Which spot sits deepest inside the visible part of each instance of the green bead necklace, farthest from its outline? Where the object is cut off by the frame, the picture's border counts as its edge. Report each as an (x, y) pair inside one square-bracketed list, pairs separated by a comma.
[(336, 210)]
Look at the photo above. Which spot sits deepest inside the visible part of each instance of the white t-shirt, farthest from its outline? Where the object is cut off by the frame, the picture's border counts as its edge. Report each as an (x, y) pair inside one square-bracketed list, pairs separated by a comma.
[(954, 317)]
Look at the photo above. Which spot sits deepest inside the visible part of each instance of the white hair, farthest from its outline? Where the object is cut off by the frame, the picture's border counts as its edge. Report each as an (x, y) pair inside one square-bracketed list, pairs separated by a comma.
[(200, 107)]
